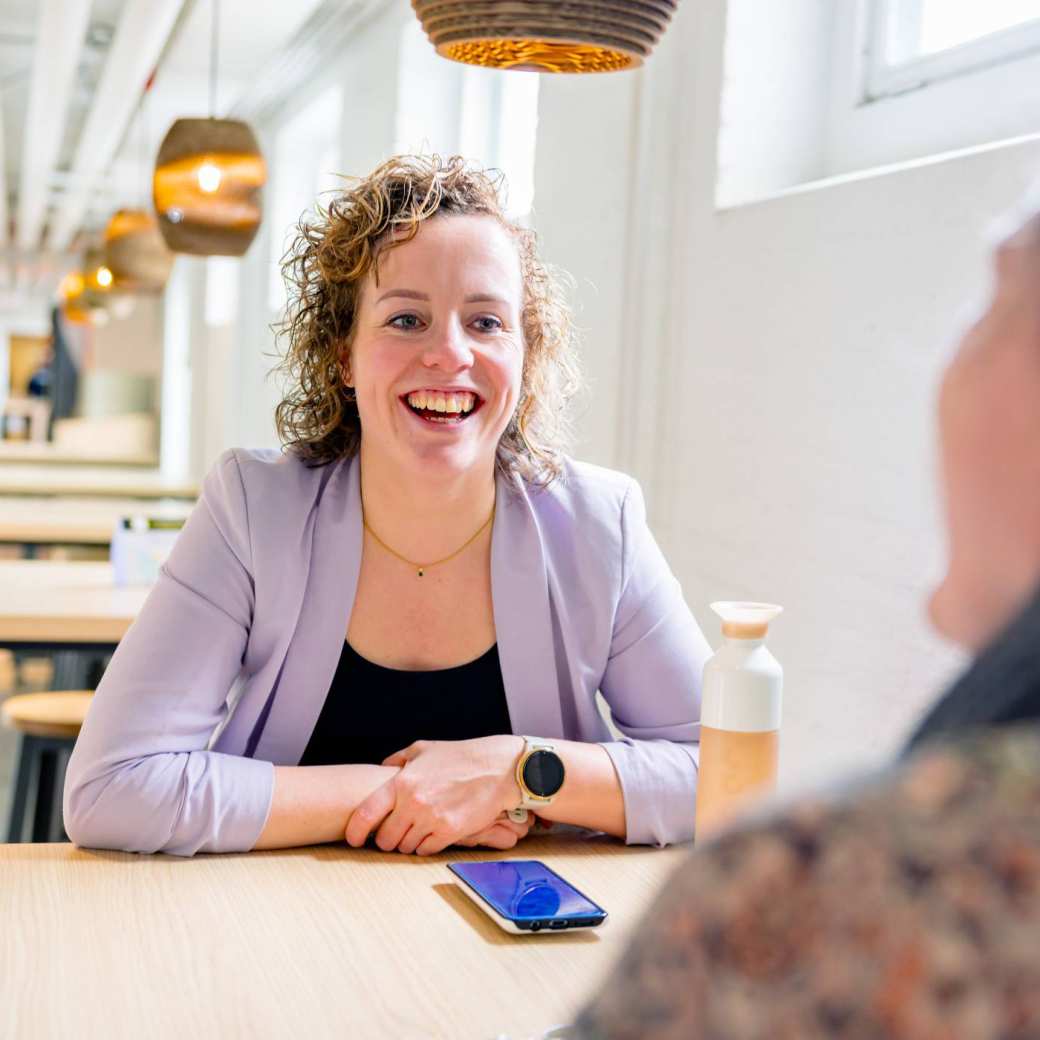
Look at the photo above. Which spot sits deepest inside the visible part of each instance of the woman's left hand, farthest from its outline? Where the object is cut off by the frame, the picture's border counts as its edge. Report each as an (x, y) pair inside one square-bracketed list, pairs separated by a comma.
[(445, 790)]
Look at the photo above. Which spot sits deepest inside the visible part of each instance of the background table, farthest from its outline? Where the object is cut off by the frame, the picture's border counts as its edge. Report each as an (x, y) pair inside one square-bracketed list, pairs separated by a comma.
[(118, 481), (71, 611), (319, 942), (31, 522), (64, 604)]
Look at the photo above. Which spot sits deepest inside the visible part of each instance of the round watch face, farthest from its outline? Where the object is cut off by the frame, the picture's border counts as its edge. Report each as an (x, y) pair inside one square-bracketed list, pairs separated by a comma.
[(543, 773)]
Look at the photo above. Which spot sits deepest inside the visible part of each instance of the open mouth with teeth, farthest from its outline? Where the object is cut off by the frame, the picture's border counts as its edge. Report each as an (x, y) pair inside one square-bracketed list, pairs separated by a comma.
[(442, 409)]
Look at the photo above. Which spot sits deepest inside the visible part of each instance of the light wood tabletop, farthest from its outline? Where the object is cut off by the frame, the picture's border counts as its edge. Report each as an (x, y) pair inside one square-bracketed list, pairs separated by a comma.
[(44, 601), (77, 521), (49, 454), (318, 942), (115, 481)]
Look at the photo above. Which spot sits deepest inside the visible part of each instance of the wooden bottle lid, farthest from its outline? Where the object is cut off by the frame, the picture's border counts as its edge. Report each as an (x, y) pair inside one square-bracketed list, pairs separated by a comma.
[(58, 714)]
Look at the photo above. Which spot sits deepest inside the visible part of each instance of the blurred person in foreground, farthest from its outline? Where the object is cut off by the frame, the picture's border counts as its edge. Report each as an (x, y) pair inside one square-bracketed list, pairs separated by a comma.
[(907, 906)]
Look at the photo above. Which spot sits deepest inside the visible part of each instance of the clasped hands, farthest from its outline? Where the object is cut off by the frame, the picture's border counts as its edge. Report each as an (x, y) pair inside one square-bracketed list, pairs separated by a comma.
[(446, 792)]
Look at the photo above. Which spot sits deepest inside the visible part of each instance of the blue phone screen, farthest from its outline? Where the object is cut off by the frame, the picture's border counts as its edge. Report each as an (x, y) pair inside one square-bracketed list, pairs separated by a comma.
[(526, 889)]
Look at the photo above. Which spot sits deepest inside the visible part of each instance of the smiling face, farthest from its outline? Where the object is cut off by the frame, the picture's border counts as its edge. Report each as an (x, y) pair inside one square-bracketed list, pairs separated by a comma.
[(989, 420), (437, 352)]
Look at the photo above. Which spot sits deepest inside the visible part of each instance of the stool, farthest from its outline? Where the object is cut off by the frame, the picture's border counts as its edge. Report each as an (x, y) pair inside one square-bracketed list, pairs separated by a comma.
[(49, 724)]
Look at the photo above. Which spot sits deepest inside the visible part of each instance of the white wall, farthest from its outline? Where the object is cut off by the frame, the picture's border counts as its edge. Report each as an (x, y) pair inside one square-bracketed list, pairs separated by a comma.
[(788, 451)]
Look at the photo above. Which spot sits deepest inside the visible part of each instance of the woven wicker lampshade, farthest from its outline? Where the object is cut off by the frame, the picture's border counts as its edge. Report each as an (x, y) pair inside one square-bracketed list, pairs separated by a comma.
[(546, 35), (135, 252), (206, 187)]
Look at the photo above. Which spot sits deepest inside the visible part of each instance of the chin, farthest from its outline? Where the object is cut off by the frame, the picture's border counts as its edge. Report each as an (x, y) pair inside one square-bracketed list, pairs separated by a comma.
[(971, 619)]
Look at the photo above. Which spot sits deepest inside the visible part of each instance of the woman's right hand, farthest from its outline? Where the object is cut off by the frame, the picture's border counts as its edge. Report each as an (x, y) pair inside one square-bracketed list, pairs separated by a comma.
[(502, 834)]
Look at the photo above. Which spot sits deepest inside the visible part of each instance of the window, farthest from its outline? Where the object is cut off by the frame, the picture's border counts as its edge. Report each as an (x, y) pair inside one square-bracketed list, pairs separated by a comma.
[(818, 89), (917, 42), (306, 164)]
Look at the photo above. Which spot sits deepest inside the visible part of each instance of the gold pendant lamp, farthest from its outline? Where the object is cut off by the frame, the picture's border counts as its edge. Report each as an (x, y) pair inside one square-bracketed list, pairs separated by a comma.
[(136, 253), (97, 277), (73, 304), (208, 179), (546, 35)]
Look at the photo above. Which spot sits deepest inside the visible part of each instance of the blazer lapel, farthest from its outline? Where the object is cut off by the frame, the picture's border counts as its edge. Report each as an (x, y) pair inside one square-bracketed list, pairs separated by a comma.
[(523, 623), (314, 652)]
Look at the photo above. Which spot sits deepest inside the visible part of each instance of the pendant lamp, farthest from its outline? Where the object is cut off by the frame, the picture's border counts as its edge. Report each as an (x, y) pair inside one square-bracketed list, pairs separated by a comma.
[(207, 180), (135, 252), (72, 293), (97, 278), (546, 35)]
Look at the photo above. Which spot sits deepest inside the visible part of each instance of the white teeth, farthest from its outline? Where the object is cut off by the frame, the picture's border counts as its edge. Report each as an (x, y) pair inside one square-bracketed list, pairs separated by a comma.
[(458, 402)]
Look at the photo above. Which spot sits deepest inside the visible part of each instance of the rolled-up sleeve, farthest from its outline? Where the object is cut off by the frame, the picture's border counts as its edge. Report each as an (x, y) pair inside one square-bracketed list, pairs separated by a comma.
[(652, 684), (141, 778)]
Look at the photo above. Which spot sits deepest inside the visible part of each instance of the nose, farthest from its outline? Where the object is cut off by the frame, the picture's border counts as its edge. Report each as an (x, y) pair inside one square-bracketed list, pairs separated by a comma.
[(448, 349)]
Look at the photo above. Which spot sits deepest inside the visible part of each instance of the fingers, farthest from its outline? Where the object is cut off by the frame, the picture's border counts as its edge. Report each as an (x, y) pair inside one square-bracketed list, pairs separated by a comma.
[(370, 814), (500, 837), (431, 845), (393, 829), (411, 841), (399, 758)]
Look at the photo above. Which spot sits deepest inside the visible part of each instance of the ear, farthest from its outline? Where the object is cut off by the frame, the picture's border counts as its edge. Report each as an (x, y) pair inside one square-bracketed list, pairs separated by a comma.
[(344, 368)]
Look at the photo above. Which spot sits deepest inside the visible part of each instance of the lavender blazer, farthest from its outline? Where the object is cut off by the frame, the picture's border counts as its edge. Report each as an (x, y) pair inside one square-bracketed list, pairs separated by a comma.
[(225, 670)]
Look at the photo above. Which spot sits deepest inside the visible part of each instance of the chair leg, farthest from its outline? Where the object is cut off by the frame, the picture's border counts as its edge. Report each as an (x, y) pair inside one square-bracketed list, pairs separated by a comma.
[(58, 816), (45, 795), (28, 753)]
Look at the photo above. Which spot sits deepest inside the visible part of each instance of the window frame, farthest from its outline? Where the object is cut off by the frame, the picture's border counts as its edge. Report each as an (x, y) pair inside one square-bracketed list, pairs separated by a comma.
[(886, 78)]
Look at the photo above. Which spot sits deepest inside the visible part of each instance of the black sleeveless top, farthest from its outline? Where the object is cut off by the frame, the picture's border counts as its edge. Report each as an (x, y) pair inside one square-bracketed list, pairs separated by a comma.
[(371, 711)]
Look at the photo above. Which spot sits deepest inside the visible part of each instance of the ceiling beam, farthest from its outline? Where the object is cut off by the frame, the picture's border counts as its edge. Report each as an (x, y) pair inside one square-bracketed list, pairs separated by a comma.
[(61, 27), (143, 30)]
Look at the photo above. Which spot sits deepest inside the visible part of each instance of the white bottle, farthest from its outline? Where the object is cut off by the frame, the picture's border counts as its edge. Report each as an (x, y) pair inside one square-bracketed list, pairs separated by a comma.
[(740, 716)]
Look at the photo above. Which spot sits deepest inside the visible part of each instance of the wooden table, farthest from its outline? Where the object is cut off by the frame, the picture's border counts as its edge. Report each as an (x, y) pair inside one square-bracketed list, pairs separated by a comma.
[(48, 454), (44, 602), (318, 942), (95, 481), (31, 522), (71, 612)]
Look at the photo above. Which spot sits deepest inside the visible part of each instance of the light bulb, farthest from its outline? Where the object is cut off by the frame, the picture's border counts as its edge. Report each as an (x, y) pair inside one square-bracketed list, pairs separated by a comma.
[(209, 177), (104, 277)]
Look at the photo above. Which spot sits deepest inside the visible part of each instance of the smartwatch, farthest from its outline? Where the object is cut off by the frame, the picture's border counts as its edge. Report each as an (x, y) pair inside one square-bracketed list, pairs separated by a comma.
[(539, 775)]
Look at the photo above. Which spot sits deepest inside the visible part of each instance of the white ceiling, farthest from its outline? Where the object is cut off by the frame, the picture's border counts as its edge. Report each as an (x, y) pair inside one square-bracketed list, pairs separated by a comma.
[(253, 33)]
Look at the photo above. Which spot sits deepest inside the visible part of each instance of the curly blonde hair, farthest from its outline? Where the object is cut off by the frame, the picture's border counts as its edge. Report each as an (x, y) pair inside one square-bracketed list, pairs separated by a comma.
[(325, 268)]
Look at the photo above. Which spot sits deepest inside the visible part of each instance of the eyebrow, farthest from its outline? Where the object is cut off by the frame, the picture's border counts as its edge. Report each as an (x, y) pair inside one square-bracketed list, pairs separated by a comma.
[(412, 294)]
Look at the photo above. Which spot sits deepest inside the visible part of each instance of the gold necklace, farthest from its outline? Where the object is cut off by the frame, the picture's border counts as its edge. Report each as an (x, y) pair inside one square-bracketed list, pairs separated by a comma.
[(420, 568)]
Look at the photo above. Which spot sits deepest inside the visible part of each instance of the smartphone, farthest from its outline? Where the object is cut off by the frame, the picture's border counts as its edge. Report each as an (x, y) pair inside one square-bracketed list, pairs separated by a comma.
[(524, 895)]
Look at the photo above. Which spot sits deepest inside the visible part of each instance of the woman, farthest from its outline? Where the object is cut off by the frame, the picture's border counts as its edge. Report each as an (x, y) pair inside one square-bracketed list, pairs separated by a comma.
[(421, 585)]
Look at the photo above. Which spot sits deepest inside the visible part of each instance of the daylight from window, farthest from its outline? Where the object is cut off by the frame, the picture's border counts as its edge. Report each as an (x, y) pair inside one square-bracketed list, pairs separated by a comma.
[(949, 23)]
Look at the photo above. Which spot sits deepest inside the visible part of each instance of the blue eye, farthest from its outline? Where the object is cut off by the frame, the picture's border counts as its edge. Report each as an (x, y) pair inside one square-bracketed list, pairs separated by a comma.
[(492, 328), (401, 317)]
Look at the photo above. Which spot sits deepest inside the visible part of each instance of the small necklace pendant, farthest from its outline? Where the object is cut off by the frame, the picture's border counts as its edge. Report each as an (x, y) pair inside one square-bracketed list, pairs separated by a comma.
[(420, 572)]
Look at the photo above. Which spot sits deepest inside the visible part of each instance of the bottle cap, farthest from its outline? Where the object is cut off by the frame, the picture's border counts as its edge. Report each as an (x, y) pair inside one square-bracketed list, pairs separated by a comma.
[(742, 620)]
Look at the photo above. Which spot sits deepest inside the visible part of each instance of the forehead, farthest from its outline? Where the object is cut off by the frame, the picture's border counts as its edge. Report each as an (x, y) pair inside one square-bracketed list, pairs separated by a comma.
[(449, 249)]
